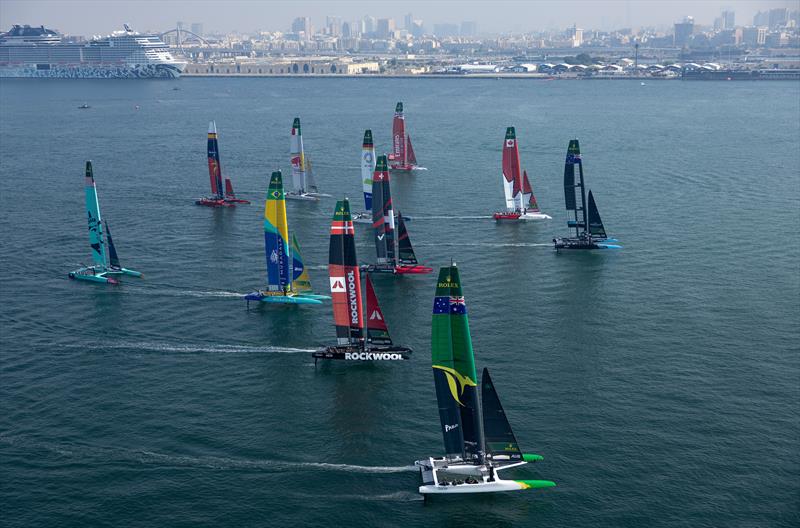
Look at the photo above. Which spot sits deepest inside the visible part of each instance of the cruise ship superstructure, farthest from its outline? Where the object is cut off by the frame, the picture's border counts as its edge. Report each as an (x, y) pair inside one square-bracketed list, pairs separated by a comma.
[(27, 51)]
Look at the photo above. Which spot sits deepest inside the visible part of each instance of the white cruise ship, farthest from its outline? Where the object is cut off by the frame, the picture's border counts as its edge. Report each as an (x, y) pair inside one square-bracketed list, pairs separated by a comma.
[(40, 52)]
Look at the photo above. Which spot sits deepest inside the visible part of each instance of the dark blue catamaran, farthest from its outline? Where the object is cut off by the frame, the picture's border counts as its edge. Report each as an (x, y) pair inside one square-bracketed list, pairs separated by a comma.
[(589, 230)]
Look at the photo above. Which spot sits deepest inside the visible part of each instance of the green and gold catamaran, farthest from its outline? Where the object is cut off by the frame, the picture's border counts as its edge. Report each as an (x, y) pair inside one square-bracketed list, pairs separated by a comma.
[(478, 439)]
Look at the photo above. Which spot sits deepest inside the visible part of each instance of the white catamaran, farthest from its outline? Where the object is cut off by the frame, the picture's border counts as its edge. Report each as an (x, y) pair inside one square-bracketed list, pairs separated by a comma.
[(303, 182)]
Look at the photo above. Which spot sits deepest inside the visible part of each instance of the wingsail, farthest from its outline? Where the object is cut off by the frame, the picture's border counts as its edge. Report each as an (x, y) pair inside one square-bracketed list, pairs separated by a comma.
[(297, 158), (214, 167), (399, 136), (276, 235), (367, 168), (511, 169), (454, 369), (113, 258), (345, 279), (96, 239), (383, 214)]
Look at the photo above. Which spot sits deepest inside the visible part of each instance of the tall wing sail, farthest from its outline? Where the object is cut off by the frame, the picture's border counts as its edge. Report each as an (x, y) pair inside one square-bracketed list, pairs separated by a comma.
[(276, 236), (388, 215), (379, 179), (95, 222), (300, 280), (596, 228), (344, 277), (399, 135), (499, 437), (412, 158), (454, 369), (214, 167), (528, 196), (405, 250), (367, 168), (297, 158), (113, 259), (377, 331), (511, 168), (574, 201)]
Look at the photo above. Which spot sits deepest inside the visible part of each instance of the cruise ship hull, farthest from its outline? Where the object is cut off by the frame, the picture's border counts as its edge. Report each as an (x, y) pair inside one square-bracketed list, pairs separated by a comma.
[(92, 71)]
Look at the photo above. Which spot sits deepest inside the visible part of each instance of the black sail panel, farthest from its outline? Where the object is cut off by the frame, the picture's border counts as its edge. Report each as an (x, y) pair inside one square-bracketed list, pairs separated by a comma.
[(499, 438), (596, 228), (405, 250), (378, 226), (113, 258), (569, 174), (449, 415)]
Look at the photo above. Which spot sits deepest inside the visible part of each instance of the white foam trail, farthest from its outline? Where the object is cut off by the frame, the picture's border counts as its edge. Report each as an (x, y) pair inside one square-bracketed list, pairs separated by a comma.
[(488, 244), (190, 348), (178, 292), (358, 469)]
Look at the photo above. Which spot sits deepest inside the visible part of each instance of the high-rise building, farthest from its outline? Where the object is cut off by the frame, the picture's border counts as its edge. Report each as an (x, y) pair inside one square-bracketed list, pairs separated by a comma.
[(683, 31), (385, 28), (417, 29), (370, 24), (728, 20), (333, 26), (778, 17), (469, 28), (346, 32), (302, 24), (576, 35), (408, 22), (761, 18), (197, 28)]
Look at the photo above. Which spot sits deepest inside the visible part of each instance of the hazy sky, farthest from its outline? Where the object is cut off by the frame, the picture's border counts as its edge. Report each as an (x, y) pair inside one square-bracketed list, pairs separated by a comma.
[(87, 17)]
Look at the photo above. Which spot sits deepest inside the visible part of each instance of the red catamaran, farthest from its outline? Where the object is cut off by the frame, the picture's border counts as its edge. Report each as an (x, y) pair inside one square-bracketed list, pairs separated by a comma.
[(520, 201), (223, 196), (357, 339), (402, 157)]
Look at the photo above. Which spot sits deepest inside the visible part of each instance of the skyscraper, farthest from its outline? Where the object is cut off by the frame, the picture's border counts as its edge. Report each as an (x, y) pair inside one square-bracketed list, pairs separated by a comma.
[(385, 28), (302, 24), (683, 31), (469, 28), (408, 22), (728, 20)]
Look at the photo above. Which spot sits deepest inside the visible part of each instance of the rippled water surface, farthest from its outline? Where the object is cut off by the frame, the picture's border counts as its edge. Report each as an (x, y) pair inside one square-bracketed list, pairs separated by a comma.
[(660, 382)]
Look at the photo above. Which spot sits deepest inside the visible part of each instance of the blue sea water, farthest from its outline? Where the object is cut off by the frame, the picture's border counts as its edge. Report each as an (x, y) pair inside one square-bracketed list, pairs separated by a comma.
[(660, 382)]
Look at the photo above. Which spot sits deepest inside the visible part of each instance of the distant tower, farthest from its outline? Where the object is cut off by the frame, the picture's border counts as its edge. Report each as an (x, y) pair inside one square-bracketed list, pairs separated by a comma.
[(683, 31)]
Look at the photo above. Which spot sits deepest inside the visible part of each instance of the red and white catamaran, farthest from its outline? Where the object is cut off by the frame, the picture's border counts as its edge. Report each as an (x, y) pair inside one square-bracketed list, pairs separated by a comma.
[(222, 194), (402, 157), (520, 200)]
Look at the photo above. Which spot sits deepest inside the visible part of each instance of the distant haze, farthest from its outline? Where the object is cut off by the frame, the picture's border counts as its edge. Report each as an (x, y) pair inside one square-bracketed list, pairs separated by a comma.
[(82, 17)]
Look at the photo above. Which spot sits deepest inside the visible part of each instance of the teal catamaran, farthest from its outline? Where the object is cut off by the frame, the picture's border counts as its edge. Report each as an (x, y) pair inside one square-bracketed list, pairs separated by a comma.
[(106, 266), (478, 439), (287, 279)]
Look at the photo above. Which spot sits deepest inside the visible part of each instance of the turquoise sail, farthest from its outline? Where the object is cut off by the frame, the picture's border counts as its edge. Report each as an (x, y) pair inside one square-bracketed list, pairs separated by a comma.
[(95, 222)]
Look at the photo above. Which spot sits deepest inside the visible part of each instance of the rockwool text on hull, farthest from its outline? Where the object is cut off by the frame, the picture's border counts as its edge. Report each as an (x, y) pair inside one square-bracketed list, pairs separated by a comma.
[(353, 353)]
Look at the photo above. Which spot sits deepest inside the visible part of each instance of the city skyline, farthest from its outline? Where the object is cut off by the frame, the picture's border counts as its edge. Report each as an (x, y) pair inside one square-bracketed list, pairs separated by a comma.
[(247, 16)]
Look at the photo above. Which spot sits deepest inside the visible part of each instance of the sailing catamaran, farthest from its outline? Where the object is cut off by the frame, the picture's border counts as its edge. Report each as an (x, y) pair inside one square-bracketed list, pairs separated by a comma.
[(367, 168), (589, 230), (478, 439), (358, 338), (287, 280), (520, 200), (390, 260), (402, 157), (303, 183), (104, 254), (222, 196)]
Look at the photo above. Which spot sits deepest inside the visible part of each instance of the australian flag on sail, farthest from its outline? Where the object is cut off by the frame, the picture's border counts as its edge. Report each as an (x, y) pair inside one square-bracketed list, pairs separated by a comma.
[(449, 305), (573, 158)]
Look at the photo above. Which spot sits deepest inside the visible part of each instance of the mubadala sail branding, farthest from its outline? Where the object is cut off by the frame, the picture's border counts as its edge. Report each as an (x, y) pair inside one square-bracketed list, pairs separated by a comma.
[(373, 356)]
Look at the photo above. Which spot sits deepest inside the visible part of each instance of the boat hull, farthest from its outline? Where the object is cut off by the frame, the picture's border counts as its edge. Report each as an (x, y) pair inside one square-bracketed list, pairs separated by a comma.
[(213, 202), (397, 270), (282, 299), (309, 197), (442, 478), (521, 217), (356, 353), (582, 243)]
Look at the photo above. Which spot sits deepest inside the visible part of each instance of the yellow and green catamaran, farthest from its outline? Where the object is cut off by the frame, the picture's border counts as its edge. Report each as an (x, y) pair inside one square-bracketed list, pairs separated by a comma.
[(287, 278)]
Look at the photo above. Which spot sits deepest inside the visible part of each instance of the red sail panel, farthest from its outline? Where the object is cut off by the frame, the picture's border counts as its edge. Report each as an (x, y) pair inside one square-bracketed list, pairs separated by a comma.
[(399, 136), (511, 163), (345, 280), (527, 192), (229, 189), (412, 158), (377, 331)]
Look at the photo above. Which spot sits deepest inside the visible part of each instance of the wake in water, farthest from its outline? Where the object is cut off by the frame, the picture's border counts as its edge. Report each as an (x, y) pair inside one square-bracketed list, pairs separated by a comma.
[(190, 348), (489, 244), (176, 291), (100, 454)]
